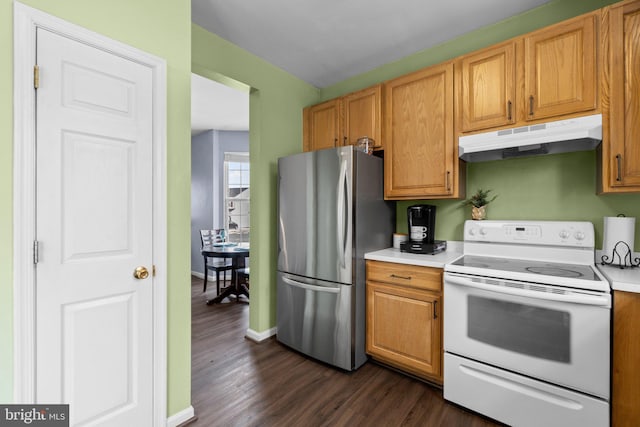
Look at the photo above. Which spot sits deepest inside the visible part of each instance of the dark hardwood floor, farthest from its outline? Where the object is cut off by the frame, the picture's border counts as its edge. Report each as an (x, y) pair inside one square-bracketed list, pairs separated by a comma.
[(237, 382)]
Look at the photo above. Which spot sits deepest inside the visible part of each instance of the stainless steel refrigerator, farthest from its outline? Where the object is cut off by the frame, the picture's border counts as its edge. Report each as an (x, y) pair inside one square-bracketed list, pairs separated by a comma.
[(330, 212)]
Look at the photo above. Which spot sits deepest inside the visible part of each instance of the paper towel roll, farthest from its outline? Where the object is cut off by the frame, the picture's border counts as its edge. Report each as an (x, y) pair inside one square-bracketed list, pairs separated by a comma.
[(618, 229)]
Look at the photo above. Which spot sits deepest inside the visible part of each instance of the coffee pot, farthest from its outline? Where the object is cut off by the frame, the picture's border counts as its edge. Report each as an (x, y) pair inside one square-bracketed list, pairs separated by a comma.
[(421, 221)]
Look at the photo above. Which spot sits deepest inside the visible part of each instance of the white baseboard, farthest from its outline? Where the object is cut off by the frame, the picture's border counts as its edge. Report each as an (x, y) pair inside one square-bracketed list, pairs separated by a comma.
[(183, 416), (260, 336)]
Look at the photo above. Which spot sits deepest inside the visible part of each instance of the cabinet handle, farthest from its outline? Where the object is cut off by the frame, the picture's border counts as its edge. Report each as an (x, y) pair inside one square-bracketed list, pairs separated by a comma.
[(395, 276), (509, 110), (448, 181), (531, 105), (619, 163), (435, 309), (345, 141), (335, 142)]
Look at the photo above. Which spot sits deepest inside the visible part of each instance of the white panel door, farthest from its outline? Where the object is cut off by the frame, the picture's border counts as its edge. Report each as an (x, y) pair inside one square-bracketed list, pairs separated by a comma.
[(94, 319)]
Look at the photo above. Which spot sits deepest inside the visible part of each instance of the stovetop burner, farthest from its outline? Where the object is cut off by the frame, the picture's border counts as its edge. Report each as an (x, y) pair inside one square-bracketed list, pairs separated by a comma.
[(476, 265), (553, 271)]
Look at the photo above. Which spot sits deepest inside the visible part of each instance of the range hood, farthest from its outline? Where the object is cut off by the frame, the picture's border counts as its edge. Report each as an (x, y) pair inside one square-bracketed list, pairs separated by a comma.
[(578, 134)]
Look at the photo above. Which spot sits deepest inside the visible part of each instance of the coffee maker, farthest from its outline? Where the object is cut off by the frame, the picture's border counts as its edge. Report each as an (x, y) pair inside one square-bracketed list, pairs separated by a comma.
[(421, 223)]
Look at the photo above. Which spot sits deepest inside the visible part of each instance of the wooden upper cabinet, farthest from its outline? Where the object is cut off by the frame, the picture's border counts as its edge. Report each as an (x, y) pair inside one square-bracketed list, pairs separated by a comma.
[(488, 88), (420, 154), (321, 125), (620, 148), (341, 121), (549, 74), (363, 116), (560, 69)]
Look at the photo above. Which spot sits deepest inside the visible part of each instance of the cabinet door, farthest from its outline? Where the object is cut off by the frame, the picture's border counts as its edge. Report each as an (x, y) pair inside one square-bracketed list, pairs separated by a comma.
[(322, 125), (623, 157), (488, 89), (362, 116), (560, 69), (404, 329), (419, 144), (626, 353)]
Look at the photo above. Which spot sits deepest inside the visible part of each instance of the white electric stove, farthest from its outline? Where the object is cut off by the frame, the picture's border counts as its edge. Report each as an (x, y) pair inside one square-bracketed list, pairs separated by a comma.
[(527, 324)]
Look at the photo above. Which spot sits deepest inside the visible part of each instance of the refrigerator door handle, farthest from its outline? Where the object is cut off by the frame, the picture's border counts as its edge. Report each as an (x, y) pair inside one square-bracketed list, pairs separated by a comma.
[(341, 205), (310, 287)]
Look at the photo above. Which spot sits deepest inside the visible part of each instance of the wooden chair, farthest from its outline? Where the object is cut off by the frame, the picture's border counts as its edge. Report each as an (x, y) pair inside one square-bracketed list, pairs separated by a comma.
[(208, 238)]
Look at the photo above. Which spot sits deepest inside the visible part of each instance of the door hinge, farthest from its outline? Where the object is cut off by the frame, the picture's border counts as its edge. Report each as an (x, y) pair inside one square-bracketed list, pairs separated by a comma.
[(36, 77), (36, 250)]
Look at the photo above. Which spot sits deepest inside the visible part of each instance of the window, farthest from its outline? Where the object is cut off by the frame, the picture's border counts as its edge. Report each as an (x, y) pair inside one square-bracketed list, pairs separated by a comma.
[(236, 184)]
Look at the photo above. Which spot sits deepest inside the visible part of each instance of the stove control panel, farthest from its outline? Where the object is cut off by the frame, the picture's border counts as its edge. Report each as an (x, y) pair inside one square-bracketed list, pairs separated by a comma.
[(557, 233)]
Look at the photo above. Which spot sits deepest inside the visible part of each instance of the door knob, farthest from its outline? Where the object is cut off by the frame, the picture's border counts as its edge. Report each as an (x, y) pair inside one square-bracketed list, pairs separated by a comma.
[(141, 273)]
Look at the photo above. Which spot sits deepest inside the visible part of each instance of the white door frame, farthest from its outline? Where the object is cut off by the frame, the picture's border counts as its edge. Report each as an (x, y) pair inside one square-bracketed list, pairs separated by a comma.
[(26, 21)]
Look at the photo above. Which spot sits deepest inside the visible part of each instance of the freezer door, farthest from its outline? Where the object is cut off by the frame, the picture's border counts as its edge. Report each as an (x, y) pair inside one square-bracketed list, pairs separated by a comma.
[(315, 318), (315, 210)]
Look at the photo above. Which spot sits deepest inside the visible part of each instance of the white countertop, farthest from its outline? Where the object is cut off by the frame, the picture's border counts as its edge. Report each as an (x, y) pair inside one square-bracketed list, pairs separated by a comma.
[(454, 250), (627, 279)]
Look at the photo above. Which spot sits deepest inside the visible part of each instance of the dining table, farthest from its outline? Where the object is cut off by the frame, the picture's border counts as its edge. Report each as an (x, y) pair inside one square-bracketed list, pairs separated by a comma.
[(235, 252)]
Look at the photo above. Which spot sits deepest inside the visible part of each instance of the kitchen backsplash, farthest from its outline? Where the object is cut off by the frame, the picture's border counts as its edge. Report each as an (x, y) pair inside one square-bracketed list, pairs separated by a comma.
[(557, 187)]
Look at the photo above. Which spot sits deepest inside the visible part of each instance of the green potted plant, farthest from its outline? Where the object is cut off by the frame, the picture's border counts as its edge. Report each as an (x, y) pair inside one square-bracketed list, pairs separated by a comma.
[(479, 202)]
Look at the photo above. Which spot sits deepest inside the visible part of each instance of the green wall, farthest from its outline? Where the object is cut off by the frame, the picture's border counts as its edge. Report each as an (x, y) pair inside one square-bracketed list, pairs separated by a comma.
[(275, 130), (163, 29), (560, 187), (554, 187)]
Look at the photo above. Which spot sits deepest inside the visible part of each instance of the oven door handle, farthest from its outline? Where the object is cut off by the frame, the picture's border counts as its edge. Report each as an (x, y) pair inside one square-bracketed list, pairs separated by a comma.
[(596, 300)]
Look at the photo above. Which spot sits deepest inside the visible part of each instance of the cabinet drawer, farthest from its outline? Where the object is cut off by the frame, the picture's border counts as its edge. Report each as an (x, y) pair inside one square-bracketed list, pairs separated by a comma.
[(405, 275)]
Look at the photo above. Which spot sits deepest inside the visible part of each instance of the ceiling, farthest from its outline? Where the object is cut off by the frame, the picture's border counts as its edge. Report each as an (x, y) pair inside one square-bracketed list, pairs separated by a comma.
[(326, 41), (216, 106)]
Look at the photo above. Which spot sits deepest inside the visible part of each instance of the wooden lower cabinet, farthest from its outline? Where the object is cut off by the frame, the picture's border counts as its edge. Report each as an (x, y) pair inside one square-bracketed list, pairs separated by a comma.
[(626, 355), (404, 318)]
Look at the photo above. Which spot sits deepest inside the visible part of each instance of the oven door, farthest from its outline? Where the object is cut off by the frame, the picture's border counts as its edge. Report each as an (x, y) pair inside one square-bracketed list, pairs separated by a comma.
[(554, 334)]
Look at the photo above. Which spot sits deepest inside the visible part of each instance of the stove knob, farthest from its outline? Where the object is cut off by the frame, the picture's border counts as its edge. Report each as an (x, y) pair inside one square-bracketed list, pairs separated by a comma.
[(579, 235), (564, 234), (483, 231), (472, 231)]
